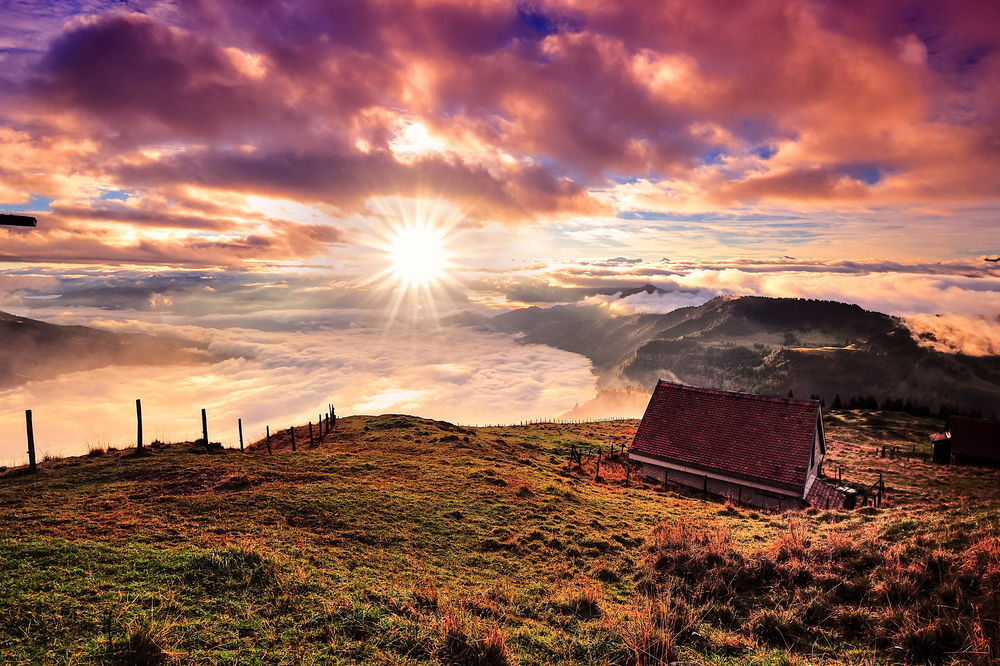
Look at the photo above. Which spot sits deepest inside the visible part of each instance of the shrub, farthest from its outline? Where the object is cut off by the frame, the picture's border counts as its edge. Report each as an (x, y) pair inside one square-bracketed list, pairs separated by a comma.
[(144, 645), (582, 601), (645, 640), (426, 595), (776, 625), (923, 640), (457, 645), (853, 621)]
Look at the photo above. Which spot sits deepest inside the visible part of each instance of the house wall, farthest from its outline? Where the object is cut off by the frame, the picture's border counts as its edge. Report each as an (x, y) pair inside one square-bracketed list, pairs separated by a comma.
[(942, 451), (962, 459), (817, 459), (728, 489)]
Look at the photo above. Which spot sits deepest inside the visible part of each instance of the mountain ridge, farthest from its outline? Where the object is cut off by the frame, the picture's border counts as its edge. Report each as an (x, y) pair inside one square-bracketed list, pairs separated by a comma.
[(35, 350), (766, 345)]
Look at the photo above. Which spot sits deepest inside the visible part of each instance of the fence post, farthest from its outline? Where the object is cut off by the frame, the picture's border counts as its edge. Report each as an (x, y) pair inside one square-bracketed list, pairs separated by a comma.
[(138, 419), (267, 430), (204, 426), (310, 433), (292, 431), (239, 424), (32, 467)]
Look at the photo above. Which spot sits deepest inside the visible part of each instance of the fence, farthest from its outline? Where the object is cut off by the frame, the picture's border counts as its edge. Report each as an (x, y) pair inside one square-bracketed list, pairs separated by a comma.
[(325, 424)]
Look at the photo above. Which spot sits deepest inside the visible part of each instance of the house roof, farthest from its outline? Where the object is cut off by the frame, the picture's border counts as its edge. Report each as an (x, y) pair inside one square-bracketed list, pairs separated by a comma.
[(752, 437), (975, 437), (823, 495)]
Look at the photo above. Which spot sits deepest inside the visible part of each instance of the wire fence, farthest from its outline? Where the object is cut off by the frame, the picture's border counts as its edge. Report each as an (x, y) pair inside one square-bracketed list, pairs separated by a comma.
[(325, 423)]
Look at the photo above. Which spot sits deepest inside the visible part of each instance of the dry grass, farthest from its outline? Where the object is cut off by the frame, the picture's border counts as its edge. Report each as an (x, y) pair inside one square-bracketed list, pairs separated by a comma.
[(402, 540)]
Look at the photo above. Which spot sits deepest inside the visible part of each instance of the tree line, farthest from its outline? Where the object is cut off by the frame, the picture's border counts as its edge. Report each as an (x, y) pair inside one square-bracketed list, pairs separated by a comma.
[(896, 405)]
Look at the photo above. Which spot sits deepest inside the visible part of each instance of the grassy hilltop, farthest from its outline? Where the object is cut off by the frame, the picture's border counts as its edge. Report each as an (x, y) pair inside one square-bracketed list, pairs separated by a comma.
[(401, 540)]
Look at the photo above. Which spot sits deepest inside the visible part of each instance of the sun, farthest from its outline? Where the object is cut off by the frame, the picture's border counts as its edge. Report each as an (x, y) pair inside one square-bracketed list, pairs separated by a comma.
[(417, 254)]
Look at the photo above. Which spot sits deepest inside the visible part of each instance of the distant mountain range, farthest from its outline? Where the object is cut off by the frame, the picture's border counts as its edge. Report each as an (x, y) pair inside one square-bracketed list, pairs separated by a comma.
[(765, 345), (34, 350)]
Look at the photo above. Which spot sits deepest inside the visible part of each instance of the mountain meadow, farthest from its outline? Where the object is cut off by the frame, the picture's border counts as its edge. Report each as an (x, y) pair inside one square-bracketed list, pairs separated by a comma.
[(400, 540)]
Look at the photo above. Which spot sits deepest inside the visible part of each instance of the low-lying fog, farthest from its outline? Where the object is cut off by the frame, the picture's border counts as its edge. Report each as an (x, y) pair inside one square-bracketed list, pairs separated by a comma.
[(278, 378)]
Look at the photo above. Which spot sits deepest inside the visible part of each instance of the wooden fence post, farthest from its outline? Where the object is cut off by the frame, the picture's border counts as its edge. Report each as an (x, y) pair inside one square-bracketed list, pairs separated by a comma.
[(138, 419), (239, 425), (32, 467), (292, 431), (204, 426), (311, 433), (267, 431)]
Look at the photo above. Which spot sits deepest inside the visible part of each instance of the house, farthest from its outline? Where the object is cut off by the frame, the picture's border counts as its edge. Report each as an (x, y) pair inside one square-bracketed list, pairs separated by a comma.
[(974, 441), (756, 449), (941, 441)]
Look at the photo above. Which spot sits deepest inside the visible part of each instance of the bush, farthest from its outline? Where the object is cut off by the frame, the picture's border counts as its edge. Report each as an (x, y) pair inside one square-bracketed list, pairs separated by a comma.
[(777, 626), (645, 641)]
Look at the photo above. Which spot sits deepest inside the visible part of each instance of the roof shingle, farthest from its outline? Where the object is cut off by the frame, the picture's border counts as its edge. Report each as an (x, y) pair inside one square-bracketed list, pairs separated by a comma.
[(752, 437)]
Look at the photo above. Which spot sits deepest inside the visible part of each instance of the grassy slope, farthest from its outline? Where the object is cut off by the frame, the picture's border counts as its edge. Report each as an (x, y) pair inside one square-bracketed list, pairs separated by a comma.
[(400, 540)]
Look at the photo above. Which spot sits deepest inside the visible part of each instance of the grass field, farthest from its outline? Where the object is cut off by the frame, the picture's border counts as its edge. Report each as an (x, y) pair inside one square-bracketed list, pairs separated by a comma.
[(400, 540)]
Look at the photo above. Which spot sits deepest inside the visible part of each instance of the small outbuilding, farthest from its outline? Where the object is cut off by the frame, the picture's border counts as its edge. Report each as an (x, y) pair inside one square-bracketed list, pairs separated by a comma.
[(757, 449), (941, 441), (974, 441)]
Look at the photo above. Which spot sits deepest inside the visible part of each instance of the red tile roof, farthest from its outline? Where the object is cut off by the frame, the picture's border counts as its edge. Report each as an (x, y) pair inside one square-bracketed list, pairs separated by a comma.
[(823, 495), (746, 436), (975, 437)]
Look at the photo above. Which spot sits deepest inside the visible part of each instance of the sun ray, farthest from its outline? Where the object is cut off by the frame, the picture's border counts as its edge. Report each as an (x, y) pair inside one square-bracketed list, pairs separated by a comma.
[(416, 258)]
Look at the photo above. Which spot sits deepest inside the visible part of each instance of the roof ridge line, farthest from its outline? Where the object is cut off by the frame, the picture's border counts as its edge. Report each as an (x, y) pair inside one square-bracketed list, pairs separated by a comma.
[(743, 394)]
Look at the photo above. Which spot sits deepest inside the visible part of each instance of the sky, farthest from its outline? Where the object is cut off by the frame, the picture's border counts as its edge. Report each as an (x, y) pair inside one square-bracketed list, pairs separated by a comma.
[(248, 172)]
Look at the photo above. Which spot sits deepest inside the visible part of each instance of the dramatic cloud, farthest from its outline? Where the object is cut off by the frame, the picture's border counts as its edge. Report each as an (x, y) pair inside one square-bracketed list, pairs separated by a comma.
[(652, 302), (515, 112), (975, 336), (881, 286)]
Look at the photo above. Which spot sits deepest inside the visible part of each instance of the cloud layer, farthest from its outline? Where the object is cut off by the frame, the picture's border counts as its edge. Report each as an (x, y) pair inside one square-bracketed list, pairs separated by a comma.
[(278, 379)]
